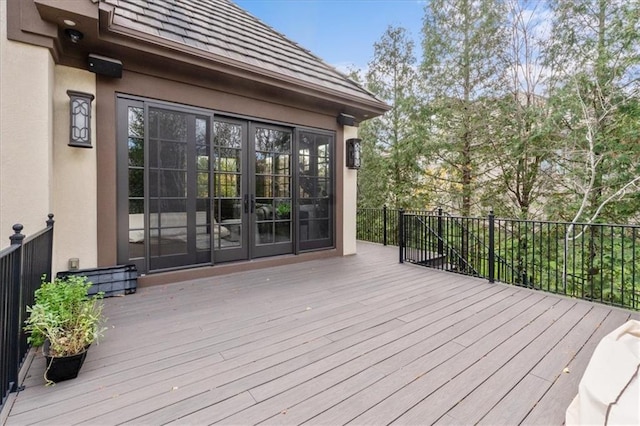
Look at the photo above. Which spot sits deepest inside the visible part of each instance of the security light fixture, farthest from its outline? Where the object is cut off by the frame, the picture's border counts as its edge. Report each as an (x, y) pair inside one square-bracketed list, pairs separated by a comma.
[(74, 35), (353, 153), (80, 124)]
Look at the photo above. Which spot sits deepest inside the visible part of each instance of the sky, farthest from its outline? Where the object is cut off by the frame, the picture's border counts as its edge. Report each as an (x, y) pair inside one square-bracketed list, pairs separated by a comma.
[(341, 32)]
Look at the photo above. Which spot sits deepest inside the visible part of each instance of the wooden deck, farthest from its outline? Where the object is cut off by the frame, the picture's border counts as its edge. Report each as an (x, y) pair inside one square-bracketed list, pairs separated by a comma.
[(360, 339)]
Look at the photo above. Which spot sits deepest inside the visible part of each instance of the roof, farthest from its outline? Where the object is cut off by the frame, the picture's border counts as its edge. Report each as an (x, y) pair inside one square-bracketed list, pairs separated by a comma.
[(222, 28)]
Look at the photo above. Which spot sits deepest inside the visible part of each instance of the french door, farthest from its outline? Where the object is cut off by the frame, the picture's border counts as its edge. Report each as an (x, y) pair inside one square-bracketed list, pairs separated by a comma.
[(252, 187), (197, 189), (165, 217)]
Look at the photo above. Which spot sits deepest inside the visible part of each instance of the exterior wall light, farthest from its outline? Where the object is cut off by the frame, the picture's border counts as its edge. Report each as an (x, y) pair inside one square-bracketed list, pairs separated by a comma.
[(80, 125), (353, 153), (74, 35)]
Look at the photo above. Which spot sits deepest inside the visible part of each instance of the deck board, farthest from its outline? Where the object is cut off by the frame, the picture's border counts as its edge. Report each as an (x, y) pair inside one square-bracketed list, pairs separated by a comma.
[(358, 339)]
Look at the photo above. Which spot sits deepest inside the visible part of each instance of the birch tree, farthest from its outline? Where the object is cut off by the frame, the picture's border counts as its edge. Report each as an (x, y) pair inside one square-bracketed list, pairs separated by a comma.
[(597, 44)]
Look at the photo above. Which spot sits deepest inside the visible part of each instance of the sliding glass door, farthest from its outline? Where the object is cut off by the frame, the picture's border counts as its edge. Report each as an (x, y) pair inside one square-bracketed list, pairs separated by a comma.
[(194, 189)]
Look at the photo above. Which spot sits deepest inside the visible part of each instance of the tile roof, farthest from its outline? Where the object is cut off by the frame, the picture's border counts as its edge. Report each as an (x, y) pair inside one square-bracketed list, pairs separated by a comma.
[(222, 28)]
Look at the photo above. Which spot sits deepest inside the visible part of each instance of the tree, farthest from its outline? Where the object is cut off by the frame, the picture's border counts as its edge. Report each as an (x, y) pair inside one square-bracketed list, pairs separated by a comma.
[(525, 136), (597, 43), (462, 78), (392, 152)]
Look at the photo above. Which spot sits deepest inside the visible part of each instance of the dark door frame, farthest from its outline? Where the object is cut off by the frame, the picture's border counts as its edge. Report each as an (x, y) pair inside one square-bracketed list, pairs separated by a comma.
[(250, 247)]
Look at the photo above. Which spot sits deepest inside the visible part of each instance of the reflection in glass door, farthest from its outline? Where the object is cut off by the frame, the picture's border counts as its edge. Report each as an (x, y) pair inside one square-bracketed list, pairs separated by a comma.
[(315, 190), (164, 183), (271, 191), (178, 195), (194, 191), (231, 199)]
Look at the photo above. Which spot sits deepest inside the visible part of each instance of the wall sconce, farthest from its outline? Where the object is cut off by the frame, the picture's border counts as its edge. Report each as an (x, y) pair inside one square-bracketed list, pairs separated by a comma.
[(80, 125), (353, 153)]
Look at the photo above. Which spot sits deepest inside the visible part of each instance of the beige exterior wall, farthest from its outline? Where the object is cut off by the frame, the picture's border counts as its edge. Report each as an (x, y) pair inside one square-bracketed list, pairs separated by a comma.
[(350, 196), (74, 177), (26, 117)]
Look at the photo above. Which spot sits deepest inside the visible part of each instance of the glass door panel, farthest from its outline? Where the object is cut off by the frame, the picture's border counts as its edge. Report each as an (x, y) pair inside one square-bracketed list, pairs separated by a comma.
[(169, 197), (271, 178), (231, 202), (135, 137), (315, 190), (193, 190)]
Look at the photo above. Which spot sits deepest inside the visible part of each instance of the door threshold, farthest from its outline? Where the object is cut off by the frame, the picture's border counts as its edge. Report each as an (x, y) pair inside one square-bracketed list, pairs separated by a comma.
[(197, 272)]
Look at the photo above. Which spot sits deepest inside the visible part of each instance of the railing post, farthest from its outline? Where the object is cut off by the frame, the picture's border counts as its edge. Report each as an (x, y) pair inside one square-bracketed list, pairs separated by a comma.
[(384, 224), (440, 242), (50, 221), (401, 233), (14, 327), (492, 260)]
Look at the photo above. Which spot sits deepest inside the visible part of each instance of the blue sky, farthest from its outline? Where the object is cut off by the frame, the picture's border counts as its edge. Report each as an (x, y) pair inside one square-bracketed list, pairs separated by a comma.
[(342, 32)]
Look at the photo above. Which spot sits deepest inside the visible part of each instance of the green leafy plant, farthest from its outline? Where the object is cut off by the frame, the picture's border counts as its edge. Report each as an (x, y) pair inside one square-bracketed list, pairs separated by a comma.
[(65, 315), (283, 209)]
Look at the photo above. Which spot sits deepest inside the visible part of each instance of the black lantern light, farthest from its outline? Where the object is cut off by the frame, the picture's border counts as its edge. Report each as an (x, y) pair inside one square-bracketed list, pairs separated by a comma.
[(353, 153), (80, 124)]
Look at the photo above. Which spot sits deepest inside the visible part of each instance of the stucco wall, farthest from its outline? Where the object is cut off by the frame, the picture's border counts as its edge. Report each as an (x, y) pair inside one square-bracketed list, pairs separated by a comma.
[(350, 197), (74, 177), (26, 86)]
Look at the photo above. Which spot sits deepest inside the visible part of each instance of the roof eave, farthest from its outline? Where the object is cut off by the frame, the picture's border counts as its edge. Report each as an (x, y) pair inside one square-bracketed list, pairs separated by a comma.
[(362, 107)]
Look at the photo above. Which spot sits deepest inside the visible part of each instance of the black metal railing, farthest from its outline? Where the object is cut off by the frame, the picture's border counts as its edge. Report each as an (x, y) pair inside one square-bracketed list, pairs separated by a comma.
[(380, 225), (22, 267), (596, 262)]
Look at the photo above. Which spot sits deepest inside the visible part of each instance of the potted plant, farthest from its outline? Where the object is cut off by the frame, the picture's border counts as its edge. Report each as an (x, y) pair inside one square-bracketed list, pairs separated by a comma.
[(65, 321), (283, 210)]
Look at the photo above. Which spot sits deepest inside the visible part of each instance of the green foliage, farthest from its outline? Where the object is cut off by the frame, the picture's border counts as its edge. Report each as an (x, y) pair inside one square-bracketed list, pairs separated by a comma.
[(283, 209), (461, 77), (508, 112), (65, 315), (595, 45), (392, 148)]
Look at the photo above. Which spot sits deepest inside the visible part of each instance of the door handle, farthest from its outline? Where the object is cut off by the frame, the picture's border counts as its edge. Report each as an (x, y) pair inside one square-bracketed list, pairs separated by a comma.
[(246, 203), (253, 204)]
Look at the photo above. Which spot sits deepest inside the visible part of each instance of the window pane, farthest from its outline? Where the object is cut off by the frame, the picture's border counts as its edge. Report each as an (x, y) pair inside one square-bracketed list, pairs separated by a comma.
[(264, 186), (173, 155), (172, 126), (173, 241), (203, 238), (203, 212), (203, 185), (173, 183), (136, 206), (264, 163), (136, 182), (136, 122), (227, 135), (282, 165), (283, 232), (201, 131), (136, 152)]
